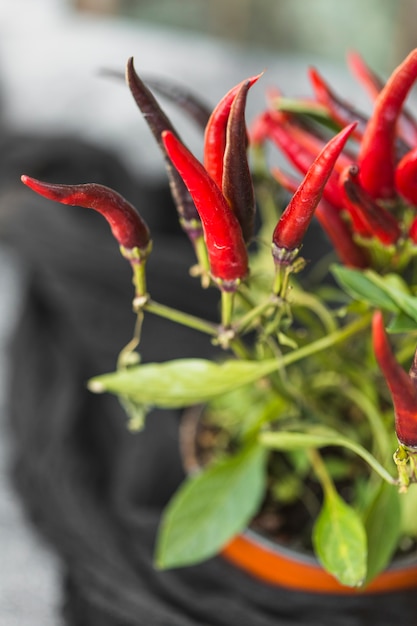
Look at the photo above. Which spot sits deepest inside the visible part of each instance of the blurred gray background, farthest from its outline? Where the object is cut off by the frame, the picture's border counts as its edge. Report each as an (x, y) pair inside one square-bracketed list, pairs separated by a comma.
[(51, 54)]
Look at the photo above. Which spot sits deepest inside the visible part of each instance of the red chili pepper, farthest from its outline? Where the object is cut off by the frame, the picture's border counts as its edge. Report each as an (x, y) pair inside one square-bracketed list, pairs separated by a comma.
[(372, 218), (291, 227), (127, 226), (376, 158), (401, 385), (215, 133), (341, 237), (237, 180), (406, 177), (412, 231), (373, 85), (363, 73), (340, 111), (301, 148), (222, 232), (335, 227)]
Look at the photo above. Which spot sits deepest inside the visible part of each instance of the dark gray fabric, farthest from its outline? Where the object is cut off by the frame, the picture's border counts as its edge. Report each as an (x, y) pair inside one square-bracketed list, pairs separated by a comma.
[(94, 490)]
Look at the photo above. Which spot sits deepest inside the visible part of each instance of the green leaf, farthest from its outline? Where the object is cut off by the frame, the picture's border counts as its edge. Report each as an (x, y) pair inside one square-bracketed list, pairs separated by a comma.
[(339, 541), (384, 292), (182, 382), (211, 508), (383, 528), (401, 323), (319, 437), (359, 285), (408, 503), (395, 291)]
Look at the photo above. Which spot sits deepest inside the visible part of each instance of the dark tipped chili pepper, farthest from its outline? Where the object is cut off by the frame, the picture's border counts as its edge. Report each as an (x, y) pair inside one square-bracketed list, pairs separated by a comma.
[(215, 134), (375, 219), (197, 110), (377, 157), (237, 180), (406, 177), (222, 232), (291, 227), (158, 122), (127, 226), (401, 385), (340, 111)]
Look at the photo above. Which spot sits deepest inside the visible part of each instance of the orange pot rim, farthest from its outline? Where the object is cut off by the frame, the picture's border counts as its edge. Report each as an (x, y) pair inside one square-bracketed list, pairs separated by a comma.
[(278, 565)]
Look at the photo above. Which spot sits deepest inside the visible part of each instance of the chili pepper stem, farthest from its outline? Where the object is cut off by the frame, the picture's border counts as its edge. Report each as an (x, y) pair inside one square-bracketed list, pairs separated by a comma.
[(227, 302), (406, 463), (282, 276), (139, 282)]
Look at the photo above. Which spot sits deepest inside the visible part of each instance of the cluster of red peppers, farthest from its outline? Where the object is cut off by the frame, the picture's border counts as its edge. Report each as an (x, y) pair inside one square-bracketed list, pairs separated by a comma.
[(361, 185)]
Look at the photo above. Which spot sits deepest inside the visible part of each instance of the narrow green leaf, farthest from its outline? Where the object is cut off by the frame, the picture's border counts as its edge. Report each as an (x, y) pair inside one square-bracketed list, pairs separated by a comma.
[(404, 301), (383, 528), (401, 323), (321, 438), (359, 285), (182, 382), (339, 541), (211, 508)]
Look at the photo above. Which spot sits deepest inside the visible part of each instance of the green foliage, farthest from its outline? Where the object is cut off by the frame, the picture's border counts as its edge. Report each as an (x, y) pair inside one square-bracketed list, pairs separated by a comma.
[(210, 508), (339, 540)]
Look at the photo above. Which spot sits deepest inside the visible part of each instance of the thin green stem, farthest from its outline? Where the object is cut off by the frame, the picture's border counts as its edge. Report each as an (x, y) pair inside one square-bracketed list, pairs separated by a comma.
[(125, 355), (255, 313), (180, 317), (328, 340), (227, 302), (321, 472)]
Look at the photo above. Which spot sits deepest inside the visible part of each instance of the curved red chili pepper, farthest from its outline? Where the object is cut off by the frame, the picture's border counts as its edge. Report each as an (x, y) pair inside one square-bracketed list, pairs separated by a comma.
[(291, 227), (401, 385), (340, 111), (237, 180), (127, 226), (215, 133), (406, 177), (376, 158), (374, 219), (222, 232), (373, 85)]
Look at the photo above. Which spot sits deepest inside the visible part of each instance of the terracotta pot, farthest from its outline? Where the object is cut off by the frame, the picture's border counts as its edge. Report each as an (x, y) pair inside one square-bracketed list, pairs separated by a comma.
[(277, 564)]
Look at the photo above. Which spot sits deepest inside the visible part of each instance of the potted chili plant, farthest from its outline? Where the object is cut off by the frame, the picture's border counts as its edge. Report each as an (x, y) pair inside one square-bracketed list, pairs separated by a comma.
[(308, 427)]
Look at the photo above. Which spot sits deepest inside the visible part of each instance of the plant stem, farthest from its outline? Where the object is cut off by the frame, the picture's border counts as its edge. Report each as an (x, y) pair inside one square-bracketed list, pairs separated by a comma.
[(227, 308), (328, 341), (124, 358), (180, 317), (321, 472), (256, 312)]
